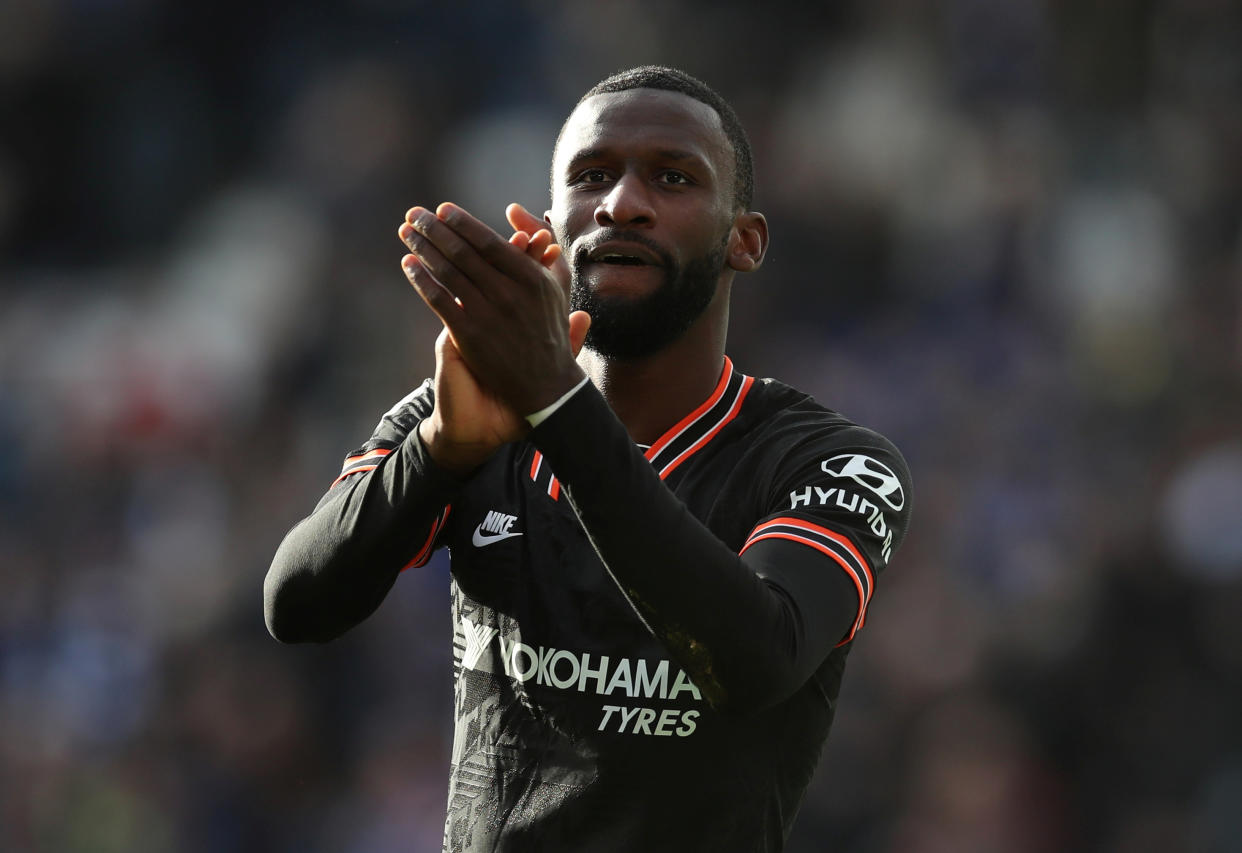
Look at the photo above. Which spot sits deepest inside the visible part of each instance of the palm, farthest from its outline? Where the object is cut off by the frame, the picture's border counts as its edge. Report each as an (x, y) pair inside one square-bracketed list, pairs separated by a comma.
[(478, 417)]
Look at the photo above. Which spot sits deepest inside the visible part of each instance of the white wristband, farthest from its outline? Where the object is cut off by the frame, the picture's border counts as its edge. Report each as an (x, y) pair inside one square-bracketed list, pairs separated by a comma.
[(543, 414)]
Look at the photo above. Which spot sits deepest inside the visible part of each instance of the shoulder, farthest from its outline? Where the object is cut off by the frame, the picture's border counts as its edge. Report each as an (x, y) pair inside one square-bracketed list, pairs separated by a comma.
[(816, 470), (794, 437), (785, 418)]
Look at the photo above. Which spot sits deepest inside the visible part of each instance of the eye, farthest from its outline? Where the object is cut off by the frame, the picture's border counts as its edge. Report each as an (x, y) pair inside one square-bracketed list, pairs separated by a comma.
[(591, 176), (674, 177)]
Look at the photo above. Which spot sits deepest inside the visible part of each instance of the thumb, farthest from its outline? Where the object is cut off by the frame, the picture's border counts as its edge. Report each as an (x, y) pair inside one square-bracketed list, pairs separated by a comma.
[(446, 349), (579, 323)]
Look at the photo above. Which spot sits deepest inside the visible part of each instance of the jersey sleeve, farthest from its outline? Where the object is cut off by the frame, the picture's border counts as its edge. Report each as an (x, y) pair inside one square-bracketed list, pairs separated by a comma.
[(380, 515), (393, 428), (750, 627), (838, 501), (396, 427)]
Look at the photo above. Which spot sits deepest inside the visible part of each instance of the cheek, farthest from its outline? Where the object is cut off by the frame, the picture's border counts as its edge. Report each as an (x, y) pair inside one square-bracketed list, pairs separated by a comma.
[(567, 221), (713, 241)]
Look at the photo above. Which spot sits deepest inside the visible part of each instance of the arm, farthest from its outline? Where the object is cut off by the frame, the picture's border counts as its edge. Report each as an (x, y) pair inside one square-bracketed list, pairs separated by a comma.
[(382, 515), (749, 628)]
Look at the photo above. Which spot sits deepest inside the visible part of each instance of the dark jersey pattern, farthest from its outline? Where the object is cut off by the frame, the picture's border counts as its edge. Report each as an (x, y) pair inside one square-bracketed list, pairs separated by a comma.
[(580, 720)]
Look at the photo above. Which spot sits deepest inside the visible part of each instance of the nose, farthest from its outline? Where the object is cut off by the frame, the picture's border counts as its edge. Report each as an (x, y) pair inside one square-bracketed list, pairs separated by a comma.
[(628, 202)]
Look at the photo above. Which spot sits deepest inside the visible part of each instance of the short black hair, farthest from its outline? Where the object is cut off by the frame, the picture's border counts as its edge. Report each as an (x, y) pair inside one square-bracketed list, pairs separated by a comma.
[(675, 80)]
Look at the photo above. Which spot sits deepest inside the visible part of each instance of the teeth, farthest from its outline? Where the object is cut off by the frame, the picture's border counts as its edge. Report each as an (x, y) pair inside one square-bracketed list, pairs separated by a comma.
[(617, 257)]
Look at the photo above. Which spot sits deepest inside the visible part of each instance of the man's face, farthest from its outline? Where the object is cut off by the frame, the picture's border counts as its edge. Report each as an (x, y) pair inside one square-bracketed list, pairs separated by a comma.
[(642, 204)]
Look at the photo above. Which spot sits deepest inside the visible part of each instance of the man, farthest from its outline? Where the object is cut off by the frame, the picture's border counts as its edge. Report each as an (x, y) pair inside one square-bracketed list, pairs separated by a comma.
[(659, 564)]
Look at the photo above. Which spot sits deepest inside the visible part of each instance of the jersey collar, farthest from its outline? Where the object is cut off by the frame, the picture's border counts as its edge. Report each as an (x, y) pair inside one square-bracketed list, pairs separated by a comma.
[(697, 429)]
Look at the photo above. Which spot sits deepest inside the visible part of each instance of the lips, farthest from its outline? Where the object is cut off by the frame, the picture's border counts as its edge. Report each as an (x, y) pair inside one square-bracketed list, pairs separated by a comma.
[(617, 258), (623, 253)]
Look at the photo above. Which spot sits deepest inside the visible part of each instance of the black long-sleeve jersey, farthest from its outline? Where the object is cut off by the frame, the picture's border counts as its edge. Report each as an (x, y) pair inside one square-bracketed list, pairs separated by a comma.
[(648, 642)]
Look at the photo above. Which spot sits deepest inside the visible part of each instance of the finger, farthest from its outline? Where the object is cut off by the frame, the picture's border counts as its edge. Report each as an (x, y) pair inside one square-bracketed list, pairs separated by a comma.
[(523, 222), (435, 265), (551, 255), (439, 298), (522, 219), (579, 325), (539, 242), (456, 261), (536, 247), (521, 240), (430, 255), (481, 243)]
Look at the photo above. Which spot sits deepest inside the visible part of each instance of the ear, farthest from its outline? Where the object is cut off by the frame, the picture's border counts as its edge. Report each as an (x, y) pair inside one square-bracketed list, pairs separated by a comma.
[(748, 242)]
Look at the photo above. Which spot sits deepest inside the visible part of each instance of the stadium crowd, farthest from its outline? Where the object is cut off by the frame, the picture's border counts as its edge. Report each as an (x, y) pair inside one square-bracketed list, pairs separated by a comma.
[(1006, 233)]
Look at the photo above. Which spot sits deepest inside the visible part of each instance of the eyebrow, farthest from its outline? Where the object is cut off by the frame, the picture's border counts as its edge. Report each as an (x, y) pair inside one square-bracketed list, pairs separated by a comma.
[(588, 154)]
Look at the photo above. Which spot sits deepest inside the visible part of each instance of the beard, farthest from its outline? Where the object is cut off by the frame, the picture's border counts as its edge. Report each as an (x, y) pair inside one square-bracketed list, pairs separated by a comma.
[(629, 328)]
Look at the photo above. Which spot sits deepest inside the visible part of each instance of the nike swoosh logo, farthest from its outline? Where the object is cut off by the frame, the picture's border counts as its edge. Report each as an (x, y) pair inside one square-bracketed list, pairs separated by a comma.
[(481, 539)]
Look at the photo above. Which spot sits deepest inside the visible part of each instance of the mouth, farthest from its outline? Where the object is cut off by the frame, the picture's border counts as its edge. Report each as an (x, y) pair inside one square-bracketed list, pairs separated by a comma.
[(622, 254), (619, 260)]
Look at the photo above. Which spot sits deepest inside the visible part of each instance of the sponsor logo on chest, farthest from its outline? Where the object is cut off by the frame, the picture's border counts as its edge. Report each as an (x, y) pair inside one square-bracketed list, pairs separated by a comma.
[(602, 675), (493, 528)]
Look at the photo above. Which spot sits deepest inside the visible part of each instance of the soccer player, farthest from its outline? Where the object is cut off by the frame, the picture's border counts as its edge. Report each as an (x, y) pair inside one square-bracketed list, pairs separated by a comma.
[(659, 564)]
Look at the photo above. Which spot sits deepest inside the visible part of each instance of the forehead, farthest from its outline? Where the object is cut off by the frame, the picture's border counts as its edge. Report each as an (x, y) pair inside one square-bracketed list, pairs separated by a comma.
[(645, 119)]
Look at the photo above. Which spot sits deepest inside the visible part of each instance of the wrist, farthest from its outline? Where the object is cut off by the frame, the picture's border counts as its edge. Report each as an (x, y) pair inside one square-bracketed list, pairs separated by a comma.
[(536, 418), (456, 458), (553, 391)]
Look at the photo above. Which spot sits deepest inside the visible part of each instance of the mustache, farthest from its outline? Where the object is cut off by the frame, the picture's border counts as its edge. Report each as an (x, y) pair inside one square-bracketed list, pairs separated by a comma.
[(608, 235)]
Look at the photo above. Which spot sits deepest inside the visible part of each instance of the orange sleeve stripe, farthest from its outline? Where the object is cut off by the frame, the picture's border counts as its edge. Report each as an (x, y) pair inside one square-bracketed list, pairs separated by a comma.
[(346, 470), (862, 595), (535, 463), (554, 489), (379, 451), (353, 471), (822, 531), (424, 553)]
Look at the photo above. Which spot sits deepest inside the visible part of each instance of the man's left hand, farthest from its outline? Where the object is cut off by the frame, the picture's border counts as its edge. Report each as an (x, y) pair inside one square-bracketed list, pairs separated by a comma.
[(507, 312)]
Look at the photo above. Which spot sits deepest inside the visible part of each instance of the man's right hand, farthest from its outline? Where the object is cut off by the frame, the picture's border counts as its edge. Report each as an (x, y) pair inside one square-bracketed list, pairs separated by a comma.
[(469, 423)]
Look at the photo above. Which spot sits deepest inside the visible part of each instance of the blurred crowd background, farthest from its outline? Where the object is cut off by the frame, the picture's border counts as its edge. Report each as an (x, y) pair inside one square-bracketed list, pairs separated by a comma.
[(1005, 233)]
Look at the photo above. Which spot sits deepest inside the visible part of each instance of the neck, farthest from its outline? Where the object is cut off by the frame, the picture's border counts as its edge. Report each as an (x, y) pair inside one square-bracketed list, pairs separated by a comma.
[(652, 394)]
